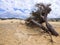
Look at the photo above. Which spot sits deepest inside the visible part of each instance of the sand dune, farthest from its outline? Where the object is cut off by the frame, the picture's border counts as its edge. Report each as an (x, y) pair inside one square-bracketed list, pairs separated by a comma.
[(15, 32)]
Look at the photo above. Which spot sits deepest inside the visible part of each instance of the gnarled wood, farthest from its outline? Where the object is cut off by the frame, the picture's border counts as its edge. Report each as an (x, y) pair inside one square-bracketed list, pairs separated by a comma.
[(40, 16)]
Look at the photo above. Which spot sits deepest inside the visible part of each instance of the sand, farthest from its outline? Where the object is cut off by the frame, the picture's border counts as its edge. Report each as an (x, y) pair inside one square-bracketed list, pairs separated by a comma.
[(15, 32)]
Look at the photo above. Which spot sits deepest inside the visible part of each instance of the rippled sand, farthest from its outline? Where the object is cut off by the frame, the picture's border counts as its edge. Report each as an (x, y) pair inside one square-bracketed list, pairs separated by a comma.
[(15, 32)]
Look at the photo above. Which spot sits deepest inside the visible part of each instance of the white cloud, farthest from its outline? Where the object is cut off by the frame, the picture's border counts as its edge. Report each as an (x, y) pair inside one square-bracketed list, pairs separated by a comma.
[(9, 5)]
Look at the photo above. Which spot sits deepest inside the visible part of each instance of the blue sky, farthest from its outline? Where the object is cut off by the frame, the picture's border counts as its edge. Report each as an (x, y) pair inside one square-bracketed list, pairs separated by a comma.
[(23, 8)]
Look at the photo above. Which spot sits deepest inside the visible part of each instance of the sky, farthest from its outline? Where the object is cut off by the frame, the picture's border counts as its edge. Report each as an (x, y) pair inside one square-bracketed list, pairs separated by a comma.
[(22, 8)]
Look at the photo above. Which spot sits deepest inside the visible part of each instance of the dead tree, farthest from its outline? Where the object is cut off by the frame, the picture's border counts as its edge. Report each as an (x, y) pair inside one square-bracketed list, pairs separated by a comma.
[(40, 16)]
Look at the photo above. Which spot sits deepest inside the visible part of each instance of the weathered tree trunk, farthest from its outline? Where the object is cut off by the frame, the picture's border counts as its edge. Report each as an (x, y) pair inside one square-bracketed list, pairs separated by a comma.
[(40, 16), (51, 29), (48, 29), (40, 25)]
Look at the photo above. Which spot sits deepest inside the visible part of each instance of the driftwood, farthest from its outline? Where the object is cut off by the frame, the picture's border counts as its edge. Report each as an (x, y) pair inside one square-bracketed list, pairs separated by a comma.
[(40, 16)]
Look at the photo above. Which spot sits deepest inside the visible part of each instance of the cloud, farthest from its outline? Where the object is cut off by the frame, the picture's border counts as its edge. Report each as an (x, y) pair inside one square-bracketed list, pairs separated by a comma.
[(23, 8)]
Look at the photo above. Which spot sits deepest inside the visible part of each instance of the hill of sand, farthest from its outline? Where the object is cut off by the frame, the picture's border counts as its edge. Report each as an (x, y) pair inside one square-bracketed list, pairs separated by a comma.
[(15, 32)]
